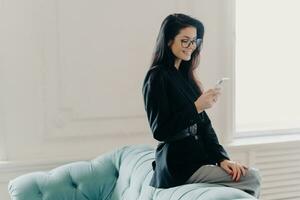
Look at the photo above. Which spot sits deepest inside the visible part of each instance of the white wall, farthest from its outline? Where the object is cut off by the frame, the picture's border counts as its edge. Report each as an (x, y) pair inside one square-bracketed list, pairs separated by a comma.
[(72, 73)]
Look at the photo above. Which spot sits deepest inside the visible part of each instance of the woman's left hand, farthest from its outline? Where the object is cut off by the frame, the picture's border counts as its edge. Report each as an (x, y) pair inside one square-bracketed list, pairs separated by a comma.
[(235, 169)]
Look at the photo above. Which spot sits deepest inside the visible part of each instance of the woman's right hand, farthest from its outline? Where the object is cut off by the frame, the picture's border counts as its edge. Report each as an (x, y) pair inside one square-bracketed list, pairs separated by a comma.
[(207, 99)]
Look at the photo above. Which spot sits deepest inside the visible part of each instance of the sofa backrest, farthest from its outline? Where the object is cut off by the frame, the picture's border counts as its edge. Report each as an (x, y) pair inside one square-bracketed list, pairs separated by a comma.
[(122, 174)]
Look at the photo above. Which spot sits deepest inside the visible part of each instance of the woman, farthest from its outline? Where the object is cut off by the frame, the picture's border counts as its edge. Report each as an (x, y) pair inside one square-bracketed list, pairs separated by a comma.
[(188, 149)]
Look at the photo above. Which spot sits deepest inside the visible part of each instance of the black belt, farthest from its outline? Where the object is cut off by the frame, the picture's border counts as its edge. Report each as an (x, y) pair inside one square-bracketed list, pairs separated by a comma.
[(190, 131)]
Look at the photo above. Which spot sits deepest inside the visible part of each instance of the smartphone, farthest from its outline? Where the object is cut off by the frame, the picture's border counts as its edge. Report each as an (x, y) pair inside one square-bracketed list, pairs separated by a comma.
[(219, 82)]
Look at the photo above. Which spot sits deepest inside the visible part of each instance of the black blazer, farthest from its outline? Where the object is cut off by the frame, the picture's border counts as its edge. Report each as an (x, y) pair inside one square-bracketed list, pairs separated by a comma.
[(169, 98)]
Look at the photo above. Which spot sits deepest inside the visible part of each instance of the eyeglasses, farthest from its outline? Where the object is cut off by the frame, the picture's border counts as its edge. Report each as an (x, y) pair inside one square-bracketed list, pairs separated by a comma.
[(185, 43)]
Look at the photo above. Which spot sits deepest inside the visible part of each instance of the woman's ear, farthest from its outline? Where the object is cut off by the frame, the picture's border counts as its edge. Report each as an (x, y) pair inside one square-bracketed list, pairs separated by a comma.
[(170, 43)]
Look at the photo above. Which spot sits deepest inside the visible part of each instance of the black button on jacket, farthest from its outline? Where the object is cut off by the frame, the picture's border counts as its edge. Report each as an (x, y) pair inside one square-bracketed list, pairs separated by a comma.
[(169, 98)]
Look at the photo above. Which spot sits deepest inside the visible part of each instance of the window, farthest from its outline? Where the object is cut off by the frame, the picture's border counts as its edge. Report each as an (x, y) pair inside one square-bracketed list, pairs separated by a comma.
[(267, 66)]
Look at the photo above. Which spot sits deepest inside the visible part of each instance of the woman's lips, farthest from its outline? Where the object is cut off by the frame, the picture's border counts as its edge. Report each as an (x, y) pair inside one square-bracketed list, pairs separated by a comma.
[(187, 52)]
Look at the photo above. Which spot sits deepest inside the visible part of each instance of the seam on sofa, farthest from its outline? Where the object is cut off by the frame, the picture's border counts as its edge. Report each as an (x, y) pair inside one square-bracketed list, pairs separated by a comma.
[(202, 193), (109, 194), (188, 192)]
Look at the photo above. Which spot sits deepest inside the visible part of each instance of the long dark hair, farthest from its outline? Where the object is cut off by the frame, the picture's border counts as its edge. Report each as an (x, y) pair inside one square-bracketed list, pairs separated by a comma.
[(163, 55)]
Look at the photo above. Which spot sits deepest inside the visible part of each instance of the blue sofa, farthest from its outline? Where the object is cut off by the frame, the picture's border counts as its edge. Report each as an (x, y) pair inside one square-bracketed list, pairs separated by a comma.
[(122, 174)]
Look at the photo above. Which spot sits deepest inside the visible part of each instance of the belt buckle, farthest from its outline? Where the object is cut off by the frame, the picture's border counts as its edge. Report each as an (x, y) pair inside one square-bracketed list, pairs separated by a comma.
[(193, 131)]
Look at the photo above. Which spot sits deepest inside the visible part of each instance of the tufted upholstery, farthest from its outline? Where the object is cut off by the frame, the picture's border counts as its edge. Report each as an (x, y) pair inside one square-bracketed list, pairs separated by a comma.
[(122, 174)]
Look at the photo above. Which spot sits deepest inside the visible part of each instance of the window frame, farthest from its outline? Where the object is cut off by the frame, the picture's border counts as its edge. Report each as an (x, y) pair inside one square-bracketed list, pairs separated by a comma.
[(233, 134)]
